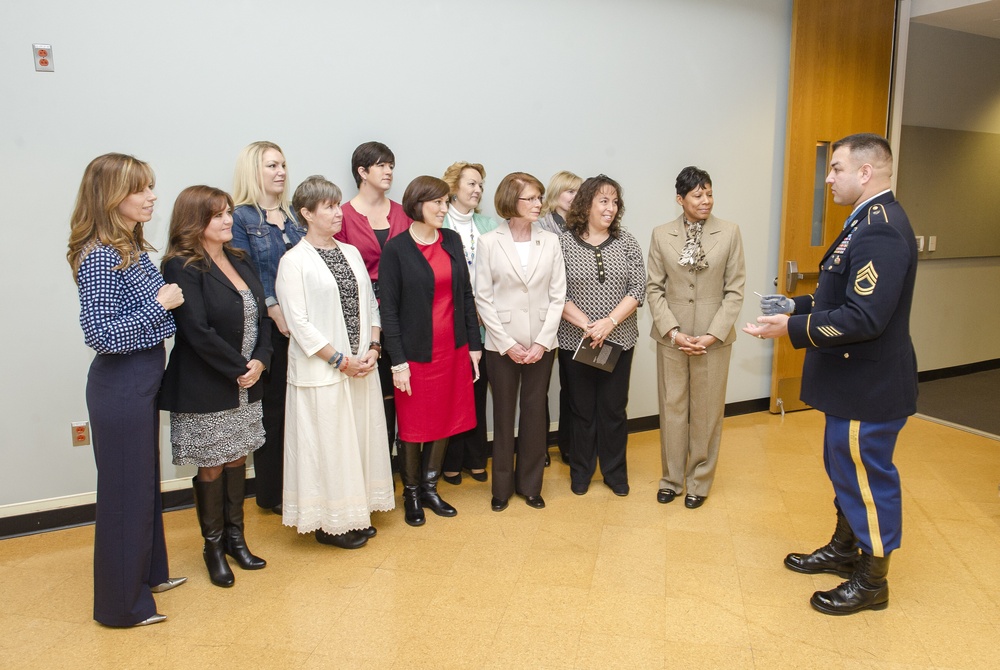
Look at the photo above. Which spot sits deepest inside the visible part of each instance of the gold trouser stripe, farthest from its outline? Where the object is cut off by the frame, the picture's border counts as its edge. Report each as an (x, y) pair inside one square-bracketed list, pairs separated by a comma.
[(808, 326), (866, 490)]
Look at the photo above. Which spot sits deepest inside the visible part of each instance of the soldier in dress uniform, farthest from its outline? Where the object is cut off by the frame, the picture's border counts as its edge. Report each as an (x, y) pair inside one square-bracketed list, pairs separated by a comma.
[(860, 370)]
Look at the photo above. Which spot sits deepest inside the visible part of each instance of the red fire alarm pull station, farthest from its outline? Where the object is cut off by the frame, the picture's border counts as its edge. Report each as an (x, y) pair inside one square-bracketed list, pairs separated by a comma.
[(43, 57)]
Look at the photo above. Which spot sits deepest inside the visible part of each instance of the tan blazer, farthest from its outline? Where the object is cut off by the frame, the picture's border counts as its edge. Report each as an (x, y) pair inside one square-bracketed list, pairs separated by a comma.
[(516, 307), (697, 302)]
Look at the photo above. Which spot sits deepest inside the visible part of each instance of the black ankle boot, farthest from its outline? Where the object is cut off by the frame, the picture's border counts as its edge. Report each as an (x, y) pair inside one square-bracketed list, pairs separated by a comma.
[(208, 501), (234, 540), (838, 557), (433, 458), (867, 589), (409, 455)]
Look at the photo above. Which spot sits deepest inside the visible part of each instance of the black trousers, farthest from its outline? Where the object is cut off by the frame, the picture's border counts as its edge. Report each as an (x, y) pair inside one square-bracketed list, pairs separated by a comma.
[(130, 552), (565, 415), (269, 460), (469, 449), (598, 401), (530, 383), (384, 367)]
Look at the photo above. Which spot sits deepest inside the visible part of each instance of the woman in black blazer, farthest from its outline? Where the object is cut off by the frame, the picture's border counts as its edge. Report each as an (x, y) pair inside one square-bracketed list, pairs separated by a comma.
[(211, 383), (431, 335)]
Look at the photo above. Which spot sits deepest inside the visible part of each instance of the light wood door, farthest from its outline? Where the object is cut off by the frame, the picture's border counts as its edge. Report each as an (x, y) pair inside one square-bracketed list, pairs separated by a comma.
[(841, 72)]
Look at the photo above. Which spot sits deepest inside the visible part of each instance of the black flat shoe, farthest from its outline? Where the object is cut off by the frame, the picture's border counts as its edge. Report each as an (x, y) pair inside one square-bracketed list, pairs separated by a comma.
[(664, 496), (535, 501), (579, 489), (277, 509), (454, 480), (498, 505), (367, 532), (479, 476), (691, 501), (349, 540), (620, 490)]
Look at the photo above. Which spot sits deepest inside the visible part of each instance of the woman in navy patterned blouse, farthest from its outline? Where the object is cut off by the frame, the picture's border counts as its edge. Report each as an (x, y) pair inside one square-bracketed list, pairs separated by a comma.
[(125, 314)]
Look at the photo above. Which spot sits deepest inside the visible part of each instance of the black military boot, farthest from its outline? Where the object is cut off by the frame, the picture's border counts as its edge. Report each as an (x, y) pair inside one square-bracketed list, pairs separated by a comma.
[(867, 589), (409, 472), (838, 557), (433, 458)]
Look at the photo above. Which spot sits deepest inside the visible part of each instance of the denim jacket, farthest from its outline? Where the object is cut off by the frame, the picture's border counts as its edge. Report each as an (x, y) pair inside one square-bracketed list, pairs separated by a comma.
[(264, 241)]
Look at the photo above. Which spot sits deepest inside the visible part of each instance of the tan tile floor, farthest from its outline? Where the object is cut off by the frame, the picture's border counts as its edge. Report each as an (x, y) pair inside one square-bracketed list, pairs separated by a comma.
[(589, 582)]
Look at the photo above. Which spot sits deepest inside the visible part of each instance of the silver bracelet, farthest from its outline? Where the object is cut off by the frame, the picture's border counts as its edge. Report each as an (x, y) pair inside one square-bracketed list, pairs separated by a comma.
[(673, 335), (402, 367), (613, 322)]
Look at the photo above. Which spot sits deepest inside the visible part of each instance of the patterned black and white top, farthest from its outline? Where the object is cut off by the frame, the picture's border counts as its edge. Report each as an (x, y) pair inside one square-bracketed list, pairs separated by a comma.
[(211, 439), (597, 278), (347, 284)]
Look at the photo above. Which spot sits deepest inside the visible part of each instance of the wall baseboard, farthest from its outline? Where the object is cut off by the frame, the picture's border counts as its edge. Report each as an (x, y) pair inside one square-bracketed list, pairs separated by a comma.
[(39, 516), (958, 370)]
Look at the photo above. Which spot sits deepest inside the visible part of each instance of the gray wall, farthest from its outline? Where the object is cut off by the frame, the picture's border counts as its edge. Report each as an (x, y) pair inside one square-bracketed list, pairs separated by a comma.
[(636, 89), (953, 82)]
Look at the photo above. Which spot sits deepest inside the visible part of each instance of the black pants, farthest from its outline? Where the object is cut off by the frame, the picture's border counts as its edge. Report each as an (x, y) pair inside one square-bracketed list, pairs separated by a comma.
[(269, 460), (530, 383), (598, 401), (130, 552), (469, 449)]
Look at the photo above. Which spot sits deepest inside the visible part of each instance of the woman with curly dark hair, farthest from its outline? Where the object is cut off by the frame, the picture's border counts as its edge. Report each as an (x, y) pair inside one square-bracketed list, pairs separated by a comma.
[(605, 284)]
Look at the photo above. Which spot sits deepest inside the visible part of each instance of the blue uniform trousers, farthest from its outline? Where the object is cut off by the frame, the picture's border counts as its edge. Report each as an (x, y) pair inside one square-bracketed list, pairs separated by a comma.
[(858, 459)]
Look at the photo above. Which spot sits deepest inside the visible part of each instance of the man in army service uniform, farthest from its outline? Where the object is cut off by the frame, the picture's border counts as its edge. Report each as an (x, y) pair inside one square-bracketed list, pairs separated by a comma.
[(860, 370)]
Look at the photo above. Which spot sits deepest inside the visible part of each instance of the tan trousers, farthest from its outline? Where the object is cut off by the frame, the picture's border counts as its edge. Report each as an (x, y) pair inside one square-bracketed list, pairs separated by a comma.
[(692, 394)]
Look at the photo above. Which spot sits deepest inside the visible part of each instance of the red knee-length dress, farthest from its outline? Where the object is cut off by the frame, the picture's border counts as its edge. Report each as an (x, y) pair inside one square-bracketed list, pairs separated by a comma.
[(442, 403)]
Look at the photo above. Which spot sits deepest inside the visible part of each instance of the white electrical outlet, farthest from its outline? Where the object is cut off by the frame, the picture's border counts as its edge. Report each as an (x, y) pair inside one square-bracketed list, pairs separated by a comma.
[(43, 58), (932, 243)]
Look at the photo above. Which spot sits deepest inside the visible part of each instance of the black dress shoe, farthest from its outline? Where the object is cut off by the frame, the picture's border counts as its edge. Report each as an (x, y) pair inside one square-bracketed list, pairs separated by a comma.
[(579, 489), (479, 476), (618, 489), (664, 496), (454, 480), (691, 501), (349, 540), (535, 501), (277, 509), (367, 532), (498, 505)]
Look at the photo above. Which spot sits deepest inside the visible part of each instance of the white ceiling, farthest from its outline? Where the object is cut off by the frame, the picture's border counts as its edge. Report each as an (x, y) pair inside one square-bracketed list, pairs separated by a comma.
[(980, 18)]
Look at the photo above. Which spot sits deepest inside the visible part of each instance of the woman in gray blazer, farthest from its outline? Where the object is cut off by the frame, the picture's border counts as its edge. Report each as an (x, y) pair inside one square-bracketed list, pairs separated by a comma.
[(520, 291), (695, 292)]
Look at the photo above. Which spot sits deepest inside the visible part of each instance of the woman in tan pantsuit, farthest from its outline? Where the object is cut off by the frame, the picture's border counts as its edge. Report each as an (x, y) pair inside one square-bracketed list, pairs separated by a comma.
[(520, 291), (695, 292)]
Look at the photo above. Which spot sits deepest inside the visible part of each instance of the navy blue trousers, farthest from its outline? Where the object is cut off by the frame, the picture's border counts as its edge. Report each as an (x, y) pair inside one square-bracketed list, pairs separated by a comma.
[(130, 553), (858, 459)]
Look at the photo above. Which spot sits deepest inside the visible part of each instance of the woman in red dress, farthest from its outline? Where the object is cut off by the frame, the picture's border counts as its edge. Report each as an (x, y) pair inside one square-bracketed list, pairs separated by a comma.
[(431, 333)]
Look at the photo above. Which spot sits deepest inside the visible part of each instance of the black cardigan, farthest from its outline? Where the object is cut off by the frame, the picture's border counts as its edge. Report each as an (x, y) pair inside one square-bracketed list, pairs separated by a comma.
[(406, 291), (206, 358)]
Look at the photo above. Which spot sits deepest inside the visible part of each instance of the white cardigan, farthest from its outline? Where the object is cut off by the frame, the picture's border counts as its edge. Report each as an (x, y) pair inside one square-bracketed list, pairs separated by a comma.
[(310, 302)]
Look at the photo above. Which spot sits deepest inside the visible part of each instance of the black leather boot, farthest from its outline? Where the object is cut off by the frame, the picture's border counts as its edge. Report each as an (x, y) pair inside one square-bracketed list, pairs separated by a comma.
[(867, 589), (433, 458), (234, 540), (352, 539), (409, 455), (838, 557), (208, 501)]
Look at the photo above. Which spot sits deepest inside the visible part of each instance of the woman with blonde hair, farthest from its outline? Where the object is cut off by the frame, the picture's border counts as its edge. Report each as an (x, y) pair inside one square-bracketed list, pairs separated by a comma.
[(125, 315), (468, 450), (558, 198), (212, 385), (265, 226), (555, 207)]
